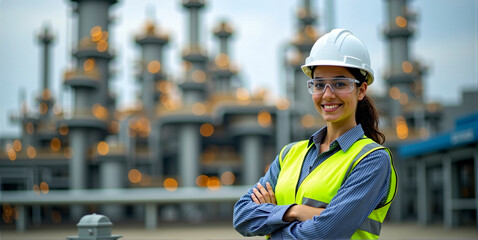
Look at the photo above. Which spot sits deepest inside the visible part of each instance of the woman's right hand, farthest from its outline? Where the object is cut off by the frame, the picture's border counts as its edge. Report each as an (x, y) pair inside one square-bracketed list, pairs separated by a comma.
[(262, 195)]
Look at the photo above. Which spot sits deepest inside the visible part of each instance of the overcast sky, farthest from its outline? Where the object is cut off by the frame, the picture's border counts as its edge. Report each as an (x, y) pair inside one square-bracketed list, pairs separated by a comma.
[(446, 41)]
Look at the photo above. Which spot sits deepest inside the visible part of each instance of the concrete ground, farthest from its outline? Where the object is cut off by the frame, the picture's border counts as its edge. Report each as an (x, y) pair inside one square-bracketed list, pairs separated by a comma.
[(223, 230)]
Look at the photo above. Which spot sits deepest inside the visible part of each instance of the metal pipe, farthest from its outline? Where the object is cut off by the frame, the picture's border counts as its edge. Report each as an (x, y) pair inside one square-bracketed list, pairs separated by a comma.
[(253, 167), (194, 28), (188, 153)]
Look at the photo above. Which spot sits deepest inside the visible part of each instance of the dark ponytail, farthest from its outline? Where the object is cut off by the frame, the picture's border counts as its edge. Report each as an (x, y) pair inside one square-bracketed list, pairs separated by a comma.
[(366, 113)]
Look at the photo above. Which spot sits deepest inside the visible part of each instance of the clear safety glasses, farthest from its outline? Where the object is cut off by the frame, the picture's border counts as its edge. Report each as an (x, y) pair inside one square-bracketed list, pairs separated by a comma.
[(337, 85)]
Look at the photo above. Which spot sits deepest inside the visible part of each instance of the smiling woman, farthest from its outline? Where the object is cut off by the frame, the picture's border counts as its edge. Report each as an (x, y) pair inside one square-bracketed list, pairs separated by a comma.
[(340, 182)]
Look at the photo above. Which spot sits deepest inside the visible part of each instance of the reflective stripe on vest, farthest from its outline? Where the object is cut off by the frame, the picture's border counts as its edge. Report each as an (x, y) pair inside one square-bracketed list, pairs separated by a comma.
[(322, 184)]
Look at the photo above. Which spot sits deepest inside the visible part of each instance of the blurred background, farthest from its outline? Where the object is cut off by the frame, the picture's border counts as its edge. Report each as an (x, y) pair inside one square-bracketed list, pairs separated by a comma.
[(167, 100)]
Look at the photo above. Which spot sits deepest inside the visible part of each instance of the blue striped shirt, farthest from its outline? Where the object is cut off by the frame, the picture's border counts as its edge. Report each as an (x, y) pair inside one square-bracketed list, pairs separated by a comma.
[(366, 187)]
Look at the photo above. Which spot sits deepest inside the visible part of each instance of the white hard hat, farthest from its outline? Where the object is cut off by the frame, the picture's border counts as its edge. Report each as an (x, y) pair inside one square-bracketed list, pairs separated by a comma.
[(340, 48)]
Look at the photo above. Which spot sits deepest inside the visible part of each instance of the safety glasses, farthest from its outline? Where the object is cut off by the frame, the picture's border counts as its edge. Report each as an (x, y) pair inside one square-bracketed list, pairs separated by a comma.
[(337, 85)]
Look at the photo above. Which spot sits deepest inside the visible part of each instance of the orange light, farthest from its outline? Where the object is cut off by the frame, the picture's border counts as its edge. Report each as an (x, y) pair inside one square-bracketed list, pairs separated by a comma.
[(44, 188), (7, 209), (201, 181), (170, 184), (30, 128), (308, 121), (403, 99), (104, 35), (17, 145), (68, 152), (134, 176), (55, 144), (282, 104), (222, 60), (103, 148), (401, 21), (99, 111), (199, 109), (31, 152), (164, 86), (395, 93), (12, 155), (96, 33), (57, 109), (187, 66), (89, 64), (63, 129), (213, 183), (142, 127), (310, 31), (114, 127), (169, 103), (43, 108), (261, 93), (199, 76), (206, 130), (154, 66), (97, 37), (243, 95), (401, 128), (102, 46), (45, 94), (407, 67), (8, 213), (228, 178), (36, 189), (264, 118)]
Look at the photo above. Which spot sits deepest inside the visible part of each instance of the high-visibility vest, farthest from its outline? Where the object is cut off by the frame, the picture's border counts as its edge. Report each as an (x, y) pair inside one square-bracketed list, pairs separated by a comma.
[(322, 184)]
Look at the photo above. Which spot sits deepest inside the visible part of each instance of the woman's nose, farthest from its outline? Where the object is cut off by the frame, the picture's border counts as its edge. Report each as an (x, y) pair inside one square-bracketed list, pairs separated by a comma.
[(328, 92)]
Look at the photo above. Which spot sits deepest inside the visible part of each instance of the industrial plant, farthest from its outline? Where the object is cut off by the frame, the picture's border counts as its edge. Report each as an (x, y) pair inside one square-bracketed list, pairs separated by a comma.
[(195, 144)]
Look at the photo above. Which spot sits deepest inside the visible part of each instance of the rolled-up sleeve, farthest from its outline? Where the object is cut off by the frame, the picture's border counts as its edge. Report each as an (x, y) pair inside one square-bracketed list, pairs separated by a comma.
[(251, 219)]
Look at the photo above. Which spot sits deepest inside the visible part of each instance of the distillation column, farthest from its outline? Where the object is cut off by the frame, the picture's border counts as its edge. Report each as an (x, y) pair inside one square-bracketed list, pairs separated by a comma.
[(152, 76), (224, 70), (46, 101), (404, 78), (194, 90), (305, 38), (36, 132), (89, 82), (399, 78)]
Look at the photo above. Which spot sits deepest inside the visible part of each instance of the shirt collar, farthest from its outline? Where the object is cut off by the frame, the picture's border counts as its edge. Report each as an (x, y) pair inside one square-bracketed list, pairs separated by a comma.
[(345, 141)]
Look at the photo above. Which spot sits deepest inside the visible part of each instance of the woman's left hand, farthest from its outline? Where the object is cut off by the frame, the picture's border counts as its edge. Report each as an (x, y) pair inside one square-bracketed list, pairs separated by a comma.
[(262, 195)]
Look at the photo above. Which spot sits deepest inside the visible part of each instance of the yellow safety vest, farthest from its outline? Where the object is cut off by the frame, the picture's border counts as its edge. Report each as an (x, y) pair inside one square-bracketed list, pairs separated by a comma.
[(322, 184)]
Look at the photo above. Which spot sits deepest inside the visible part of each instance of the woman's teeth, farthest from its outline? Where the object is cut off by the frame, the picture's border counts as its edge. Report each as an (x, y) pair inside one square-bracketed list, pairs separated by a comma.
[(330, 106)]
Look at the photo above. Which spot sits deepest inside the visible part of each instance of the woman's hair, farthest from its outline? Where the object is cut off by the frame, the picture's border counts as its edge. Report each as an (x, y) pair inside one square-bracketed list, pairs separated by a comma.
[(366, 113)]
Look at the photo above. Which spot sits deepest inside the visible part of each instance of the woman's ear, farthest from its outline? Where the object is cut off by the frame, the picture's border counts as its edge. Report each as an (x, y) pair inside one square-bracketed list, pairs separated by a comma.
[(362, 89)]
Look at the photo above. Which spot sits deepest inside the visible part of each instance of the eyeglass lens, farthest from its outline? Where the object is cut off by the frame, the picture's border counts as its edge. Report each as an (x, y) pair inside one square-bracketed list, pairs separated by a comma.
[(340, 85)]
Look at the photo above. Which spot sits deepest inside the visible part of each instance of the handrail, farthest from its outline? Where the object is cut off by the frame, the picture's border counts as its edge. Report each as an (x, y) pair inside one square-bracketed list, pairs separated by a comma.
[(123, 196)]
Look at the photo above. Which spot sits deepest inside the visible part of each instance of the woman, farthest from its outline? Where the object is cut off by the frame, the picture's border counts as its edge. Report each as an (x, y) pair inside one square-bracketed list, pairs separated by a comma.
[(339, 183)]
